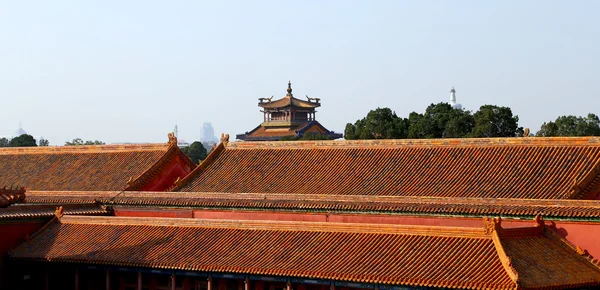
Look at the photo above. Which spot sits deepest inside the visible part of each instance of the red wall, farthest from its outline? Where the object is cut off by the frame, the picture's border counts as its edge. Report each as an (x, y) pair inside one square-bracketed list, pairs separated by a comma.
[(583, 234), (176, 168), (144, 212), (13, 233)]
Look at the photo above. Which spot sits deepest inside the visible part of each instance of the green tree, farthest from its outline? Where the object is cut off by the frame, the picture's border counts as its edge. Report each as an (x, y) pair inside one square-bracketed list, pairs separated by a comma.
[(440, 121), (494, 121), (24, 140), (4, 142), (44, 142), (195, 151), (289, 138), (79, 142), (571, 126), (381, 123)]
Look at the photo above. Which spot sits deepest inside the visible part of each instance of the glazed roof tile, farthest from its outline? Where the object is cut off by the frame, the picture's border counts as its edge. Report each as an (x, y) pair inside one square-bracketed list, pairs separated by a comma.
[(18, 212), (262, 131), (266, 133), (408, 205), (535, 168), (9, 196), (490, 257), (103, 167)]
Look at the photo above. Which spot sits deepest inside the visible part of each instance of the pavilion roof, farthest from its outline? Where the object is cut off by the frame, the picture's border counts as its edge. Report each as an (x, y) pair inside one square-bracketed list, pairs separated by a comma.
[(553, 209), (96, 167), (529, 168), (288, 101), (273, 133), (490, 257)]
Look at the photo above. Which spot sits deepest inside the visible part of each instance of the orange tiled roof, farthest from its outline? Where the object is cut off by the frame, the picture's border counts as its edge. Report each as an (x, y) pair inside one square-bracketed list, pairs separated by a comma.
[(541, 168), (262, 131), (104, 167), (274, 133), (9, 196), (550, 209), (491, 258)]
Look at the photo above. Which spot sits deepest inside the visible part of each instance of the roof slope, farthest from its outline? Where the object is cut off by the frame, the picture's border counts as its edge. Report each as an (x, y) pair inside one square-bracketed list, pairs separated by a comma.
[(587, 210), (541, 168), (104, 167), (383, 254)]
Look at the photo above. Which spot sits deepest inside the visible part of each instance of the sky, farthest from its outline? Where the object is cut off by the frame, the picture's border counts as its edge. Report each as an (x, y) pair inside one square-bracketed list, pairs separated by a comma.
[(128, 71)]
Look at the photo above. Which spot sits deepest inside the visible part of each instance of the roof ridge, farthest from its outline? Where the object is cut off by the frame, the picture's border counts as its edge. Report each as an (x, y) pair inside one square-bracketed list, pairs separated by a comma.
[(493, 226), (445, 142), (551, 232), (580, 188), (441, 231), (207, 161), (81, 148), (139, 181)]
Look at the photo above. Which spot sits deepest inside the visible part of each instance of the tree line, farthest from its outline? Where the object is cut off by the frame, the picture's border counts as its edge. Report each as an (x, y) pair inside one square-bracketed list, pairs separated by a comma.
[(24, 140), (443, 121), (27, 140)]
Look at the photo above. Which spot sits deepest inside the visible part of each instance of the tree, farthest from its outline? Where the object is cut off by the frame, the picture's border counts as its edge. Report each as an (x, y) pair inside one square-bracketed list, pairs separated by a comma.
[(381, 123), (79, 142), (289, 138), (3, 142), (571, 126), (494, 121), (24, 140), (44, 142), (195, 151), (440, 121)]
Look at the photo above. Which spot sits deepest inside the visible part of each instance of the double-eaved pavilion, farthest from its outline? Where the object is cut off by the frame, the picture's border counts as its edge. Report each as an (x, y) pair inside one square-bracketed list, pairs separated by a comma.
[(288, 117)]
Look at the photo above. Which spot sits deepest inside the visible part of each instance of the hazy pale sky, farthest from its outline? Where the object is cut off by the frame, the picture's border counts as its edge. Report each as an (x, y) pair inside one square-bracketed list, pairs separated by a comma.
[(127, 71)]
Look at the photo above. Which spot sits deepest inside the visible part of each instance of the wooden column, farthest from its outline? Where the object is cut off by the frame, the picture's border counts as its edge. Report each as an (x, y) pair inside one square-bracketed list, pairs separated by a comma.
[(107, 280), (259, 285), (76, 279), (46, 277), (173, 281), (289, 285), (247, 284), (209, 283), (139, 286), (222, 284), (185, 285)]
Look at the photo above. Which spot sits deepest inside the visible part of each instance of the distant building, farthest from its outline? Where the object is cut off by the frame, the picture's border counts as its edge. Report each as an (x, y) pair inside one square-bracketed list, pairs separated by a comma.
[(207, 136), (453, 99), (207, 133), (19, 131), (287, 116)]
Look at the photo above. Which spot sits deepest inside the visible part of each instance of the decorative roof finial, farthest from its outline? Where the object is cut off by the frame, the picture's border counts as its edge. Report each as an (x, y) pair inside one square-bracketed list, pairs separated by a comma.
[(492, 224), (59, 212), (224, 138), (172, 139), (289, 89)]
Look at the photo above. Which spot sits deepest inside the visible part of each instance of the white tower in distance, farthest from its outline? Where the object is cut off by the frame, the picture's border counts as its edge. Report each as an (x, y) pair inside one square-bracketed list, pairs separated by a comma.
[(453, 99)]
